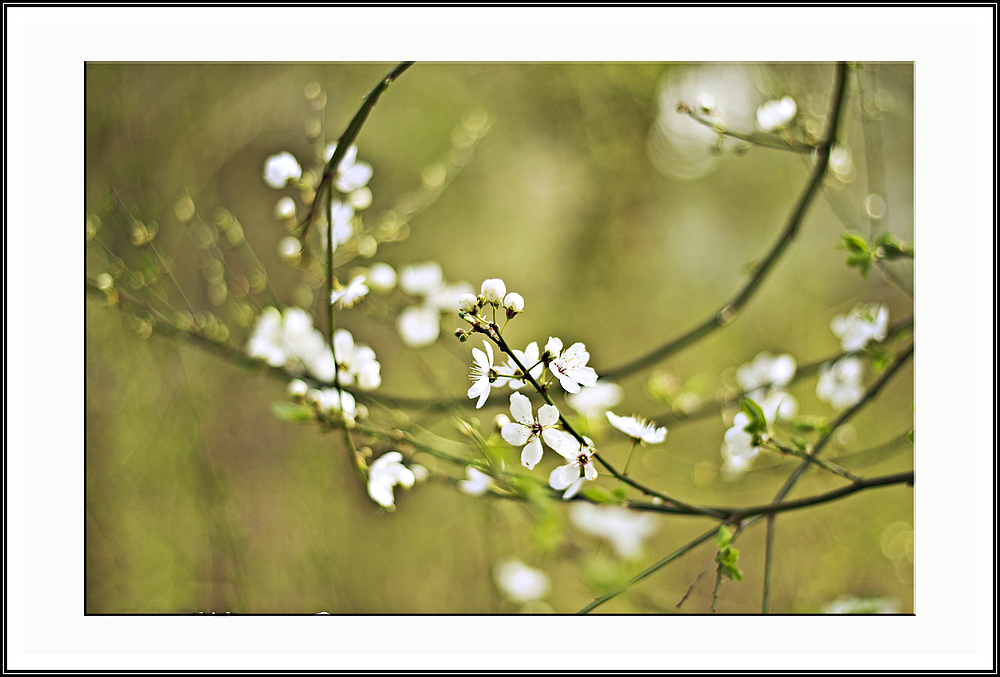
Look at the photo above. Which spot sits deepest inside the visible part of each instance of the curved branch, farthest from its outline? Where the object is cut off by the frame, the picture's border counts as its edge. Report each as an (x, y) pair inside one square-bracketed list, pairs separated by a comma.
[(728, 312)]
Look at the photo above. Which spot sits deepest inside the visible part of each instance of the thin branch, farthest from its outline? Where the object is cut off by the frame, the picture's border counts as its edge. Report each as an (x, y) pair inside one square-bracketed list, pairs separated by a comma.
[(684, 549), (347, 138), (756, 140), (728, 312)]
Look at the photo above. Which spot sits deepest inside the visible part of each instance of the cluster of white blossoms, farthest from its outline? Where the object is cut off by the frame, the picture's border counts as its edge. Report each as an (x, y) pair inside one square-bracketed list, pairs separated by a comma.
[(283, 170), (761, 380), (840, 383), (290, 340), (420, 325), (568, 367)]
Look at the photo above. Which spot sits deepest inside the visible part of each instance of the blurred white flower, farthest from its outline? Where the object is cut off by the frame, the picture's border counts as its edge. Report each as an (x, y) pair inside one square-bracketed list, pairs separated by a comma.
[(861, 325), (355, 290), (520, 582), (776, 404), (356, 362), (386, 472), (624, 529), (594, 401), (638, 428), (418, 327), (840, 384), (381, 277), (738, 442), (570, 367), (329, 402), (421, 279), (285, 208), (297, 388), (579, 466), (850, 604), (766, 370), (267, 340), (773, 115), (446, 299), (483, 374), (476, 483), (343, 228), (351, 174), (526, 430), (280, 168)]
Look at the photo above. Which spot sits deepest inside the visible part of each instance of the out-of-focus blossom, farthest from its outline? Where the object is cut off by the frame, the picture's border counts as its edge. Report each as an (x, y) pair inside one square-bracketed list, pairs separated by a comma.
[(594, 401), (386, 472), (850, 604), (355, 290), (840, 384), (418, 327), (381, 277), (280, 169), (519, 582), (773, 115), (351, 174), (476, 483), (624, 529), (861, 325)]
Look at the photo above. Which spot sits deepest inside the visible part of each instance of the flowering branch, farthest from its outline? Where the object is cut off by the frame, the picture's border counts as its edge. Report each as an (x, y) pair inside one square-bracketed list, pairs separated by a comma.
[(728, 312)]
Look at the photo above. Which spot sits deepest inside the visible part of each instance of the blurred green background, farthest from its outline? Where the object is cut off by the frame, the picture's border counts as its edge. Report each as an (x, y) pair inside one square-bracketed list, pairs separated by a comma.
[(590, 196)]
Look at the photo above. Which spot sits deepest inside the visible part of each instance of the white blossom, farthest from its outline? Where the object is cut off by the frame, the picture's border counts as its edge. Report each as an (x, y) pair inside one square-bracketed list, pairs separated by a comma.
[(773, 115), (421, 279), (386, 472), (468, 303), (570, 367), (297, 388), (513, 302), (579, 466), (638, 428), (356, 363), (766, 370), (351, 174), (483, 374), (285, 208), (738, 442), (526, 430), (511, 374), (418, 327), (476, 483), (861, 325), (520, 582), (840, 384), (493, 290), (280, 168), (623, 528), (331, 400), (351, 294), (381, 277), (594, 401), (343, 228)]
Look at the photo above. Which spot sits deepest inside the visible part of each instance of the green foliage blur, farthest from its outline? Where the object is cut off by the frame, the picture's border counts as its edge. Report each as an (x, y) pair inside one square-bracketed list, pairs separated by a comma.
[(198, 499)]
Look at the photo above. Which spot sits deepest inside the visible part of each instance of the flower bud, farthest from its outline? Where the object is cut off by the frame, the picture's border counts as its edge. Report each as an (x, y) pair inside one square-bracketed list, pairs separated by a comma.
[(468, 303), (514, 303), (462, 335), (297, 388), (493, 290)]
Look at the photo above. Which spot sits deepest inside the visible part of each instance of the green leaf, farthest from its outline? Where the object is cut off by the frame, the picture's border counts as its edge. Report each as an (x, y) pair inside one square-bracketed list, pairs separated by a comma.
[(599, 494), (292, 412), (758, 423), (909, 436), (723, 537), (808, 424), (854, 242), (619, 492), (733, 573)]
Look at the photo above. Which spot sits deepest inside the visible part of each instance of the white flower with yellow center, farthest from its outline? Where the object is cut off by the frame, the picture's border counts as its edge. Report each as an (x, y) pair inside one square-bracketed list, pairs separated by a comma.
[(526, 430), (386, 472), (579, 466), (638, 428), (570, 367), (483, 374), (355, 290)]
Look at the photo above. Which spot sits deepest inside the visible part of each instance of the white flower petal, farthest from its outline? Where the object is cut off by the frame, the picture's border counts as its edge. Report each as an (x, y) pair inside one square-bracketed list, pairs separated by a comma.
[(531, 454), (520, 407), (515, 434), (548, 415)]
